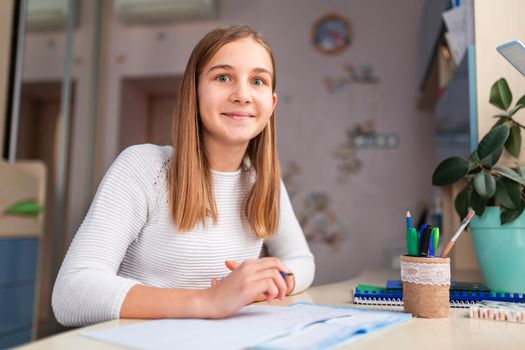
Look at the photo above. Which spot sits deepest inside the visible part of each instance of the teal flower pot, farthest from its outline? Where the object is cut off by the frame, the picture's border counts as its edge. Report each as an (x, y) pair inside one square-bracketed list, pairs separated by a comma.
[(500, 250)]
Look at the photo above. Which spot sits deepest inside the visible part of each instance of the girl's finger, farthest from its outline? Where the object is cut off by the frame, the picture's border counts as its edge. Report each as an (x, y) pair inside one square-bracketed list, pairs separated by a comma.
[(260, 297), (272, 292), (290, 284), (275, 278), (267, 263), (232, 265)]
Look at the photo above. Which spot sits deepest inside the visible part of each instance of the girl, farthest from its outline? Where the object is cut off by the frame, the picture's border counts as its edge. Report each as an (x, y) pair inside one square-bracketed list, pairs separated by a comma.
[(176, 232)]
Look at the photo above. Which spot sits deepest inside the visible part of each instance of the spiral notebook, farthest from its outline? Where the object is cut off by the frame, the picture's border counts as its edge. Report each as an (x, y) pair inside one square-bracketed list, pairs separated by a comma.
[(462, 294)]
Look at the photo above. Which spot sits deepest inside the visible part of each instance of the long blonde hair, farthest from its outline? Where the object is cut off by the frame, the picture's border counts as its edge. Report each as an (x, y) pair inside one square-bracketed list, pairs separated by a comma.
[(189, 178)]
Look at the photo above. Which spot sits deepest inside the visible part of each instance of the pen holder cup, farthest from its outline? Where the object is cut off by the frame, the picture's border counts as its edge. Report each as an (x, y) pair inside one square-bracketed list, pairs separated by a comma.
[(426, 286)]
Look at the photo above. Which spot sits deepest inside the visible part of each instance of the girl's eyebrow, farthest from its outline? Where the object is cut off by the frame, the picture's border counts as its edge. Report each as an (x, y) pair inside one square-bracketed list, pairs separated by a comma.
[(228, 67)]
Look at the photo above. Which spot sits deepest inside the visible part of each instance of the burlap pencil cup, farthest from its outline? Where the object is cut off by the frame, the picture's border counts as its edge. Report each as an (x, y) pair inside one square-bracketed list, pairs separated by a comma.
[(426, 284)]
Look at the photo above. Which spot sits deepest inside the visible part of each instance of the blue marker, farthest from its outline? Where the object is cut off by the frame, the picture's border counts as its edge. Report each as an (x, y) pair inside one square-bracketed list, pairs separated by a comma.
[(430, 253), (425, 241), (421, 232)]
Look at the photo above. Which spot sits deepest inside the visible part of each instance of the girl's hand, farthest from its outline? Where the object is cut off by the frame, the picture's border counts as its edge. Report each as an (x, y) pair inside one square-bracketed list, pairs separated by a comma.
[(247, 282), (232, 265), (289, 280)]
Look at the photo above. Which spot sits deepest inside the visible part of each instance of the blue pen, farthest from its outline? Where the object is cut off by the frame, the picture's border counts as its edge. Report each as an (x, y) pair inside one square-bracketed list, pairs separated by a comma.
[(285, 274)]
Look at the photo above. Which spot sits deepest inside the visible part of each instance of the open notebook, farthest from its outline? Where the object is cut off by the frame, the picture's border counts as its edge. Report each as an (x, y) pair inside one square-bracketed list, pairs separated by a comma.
[(298, 326)]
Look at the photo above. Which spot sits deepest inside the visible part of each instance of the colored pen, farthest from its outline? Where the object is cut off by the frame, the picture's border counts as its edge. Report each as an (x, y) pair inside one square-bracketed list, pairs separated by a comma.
[(424, 241), (408, 219), (430, 251), (456, 234), (435, 237), (421, 232), (285, 274), (432, 246), (412, 242)]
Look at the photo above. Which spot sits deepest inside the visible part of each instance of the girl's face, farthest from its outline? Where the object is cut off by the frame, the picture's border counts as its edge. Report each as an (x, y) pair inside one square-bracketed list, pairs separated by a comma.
[(235, 93)]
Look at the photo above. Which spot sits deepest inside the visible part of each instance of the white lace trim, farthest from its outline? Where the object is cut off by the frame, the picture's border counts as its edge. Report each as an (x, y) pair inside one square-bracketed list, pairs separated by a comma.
[(433, 274)]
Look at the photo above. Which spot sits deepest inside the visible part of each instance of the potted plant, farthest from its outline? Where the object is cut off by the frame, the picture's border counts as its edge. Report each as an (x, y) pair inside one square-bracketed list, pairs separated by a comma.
[(497, 195)]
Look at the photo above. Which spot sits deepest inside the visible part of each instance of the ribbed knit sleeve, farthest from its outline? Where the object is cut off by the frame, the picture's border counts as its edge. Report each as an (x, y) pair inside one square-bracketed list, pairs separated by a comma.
[(289, 245), (87, 289)]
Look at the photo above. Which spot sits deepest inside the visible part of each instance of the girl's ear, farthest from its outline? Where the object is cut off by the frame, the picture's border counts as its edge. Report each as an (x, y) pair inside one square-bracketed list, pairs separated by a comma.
[(274, 98)]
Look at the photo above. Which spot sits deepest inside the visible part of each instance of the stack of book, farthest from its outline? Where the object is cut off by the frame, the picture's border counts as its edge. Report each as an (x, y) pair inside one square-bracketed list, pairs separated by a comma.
[(462, 294)]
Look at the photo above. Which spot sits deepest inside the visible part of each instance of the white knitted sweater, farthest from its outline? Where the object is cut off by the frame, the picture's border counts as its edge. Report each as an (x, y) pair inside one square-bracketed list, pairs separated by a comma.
[(127, 238)]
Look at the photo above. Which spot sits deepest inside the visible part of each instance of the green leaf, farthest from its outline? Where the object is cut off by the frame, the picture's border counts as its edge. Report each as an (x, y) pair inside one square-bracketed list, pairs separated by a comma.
[(509, 174), (494, 139), (513, 143), (521, 101), (491, 160), (474, 157), (485, 184), (500, 95), (509, 215), (508, 193), (449, 171), (521, 171), (462, 201), (502, 119), (519, 105), (29, 208), (478, 203)]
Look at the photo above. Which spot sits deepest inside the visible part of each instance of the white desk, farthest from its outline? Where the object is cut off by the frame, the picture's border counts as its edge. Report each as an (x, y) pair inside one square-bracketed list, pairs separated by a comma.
[(457, 332)]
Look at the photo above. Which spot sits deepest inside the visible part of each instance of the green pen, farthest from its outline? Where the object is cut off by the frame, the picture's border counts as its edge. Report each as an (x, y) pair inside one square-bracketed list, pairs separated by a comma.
[(435, 239), (412, 242)]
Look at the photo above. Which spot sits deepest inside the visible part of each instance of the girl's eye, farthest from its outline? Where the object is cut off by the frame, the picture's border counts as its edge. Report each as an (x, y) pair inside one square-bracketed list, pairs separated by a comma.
[(223, 78), (258, 82)]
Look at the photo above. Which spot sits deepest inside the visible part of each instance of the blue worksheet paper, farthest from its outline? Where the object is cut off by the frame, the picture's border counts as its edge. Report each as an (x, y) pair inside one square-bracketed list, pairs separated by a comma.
[(252, 326), (335, 332)]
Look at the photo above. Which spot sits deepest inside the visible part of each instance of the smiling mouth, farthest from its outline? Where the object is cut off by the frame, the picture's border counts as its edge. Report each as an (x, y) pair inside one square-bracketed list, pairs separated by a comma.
[(238, 115)]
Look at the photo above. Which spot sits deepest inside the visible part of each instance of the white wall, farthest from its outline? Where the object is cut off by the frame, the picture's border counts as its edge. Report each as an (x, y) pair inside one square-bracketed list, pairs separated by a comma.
[(311, 122)]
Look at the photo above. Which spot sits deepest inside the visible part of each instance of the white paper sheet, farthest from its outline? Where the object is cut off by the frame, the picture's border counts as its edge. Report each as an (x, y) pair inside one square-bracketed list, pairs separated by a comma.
[(335, 332), (252, 326), (456, 37)]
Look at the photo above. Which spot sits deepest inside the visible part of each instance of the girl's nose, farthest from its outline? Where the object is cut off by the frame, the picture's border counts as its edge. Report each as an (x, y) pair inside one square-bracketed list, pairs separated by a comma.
[(241, 94)]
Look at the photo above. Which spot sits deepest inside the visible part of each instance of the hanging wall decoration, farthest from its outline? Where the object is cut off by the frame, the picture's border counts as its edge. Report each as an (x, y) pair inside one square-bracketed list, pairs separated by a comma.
[(363, 74), (331, 33), (318, 221), (363, 134)]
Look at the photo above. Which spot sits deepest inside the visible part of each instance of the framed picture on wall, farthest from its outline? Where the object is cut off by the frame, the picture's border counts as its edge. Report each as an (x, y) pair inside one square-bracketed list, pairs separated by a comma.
[(331, 33)]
